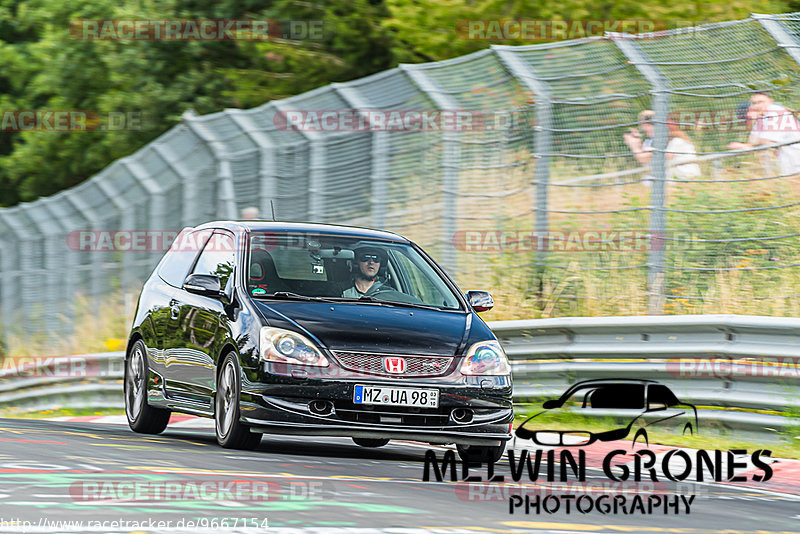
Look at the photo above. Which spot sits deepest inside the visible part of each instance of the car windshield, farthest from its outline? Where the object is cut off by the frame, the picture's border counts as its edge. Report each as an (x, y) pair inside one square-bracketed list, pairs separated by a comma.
[(333, 268)]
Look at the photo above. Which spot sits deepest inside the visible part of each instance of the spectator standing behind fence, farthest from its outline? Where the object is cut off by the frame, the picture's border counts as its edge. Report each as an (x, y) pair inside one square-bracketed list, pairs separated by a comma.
[(773, 124), (765, 157), (680, 148), (250, 213), (641, 147)]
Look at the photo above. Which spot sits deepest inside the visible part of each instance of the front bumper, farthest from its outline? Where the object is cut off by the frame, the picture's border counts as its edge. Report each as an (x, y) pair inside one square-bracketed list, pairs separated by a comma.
[(283, 408)]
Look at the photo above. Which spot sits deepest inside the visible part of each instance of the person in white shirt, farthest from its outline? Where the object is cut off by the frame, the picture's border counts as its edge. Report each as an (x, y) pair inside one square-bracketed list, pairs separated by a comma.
[(680, 150), (774, 124)]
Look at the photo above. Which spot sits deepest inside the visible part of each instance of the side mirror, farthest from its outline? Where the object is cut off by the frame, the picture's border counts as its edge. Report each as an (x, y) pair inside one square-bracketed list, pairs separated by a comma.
[(480, 301), (207, 285), (550, 404)]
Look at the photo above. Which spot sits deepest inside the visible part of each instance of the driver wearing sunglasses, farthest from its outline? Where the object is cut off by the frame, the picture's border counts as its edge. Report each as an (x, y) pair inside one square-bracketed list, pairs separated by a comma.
[(367, 265)]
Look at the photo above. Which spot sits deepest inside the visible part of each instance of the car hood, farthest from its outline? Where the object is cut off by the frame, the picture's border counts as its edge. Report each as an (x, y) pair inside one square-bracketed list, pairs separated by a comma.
[(372, 328)]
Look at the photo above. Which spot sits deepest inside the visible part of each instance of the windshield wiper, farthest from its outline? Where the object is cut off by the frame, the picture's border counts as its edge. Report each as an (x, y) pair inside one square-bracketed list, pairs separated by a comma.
[(288, 295), (370, 299)]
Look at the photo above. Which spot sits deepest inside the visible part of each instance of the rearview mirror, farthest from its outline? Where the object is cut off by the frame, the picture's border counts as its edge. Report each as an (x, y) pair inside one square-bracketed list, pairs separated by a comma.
[(207, 285), (550, 404), (480, 301)]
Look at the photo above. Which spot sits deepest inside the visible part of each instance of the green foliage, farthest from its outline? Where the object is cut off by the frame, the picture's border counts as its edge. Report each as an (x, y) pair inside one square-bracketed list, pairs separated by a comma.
[(43, 67), (425, 29)]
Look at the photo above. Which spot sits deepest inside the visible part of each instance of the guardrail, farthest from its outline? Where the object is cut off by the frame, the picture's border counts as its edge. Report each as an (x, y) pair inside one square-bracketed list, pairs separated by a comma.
[(77, 381), (742, 371)]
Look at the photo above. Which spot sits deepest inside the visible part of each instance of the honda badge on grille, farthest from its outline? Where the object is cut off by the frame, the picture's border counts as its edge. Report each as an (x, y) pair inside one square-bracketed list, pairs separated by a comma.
[(394, 365)]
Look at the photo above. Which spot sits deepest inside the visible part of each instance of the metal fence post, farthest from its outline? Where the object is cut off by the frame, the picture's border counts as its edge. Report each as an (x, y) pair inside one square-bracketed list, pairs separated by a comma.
[(267, 181), (777, 30), (157, 204), (450, 162), (10, 270), (380, 154), (189, 197), (543, 137), (59, 261), (317, 178), (226, 208), (123, 207), (656, 282), (227, 195), (98, 281)]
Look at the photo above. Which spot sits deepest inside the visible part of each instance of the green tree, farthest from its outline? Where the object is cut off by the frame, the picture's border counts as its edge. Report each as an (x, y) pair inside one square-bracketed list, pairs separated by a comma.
[(44, 67), (432, 30)]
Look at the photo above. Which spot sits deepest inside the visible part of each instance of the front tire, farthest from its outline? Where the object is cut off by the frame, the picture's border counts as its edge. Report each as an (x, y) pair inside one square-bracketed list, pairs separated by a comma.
[(231, 433), (481, 453), (142, 417)]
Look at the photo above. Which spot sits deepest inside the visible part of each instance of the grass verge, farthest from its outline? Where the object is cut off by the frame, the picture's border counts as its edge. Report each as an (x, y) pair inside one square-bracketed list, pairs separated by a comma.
[(710, 436)]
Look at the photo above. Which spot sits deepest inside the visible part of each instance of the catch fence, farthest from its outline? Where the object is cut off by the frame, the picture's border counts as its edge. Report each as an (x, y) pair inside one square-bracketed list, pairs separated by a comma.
[(542, 201)]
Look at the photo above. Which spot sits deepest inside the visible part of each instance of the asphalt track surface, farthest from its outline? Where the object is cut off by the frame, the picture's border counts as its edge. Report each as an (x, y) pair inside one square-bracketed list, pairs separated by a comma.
[(53, 472)]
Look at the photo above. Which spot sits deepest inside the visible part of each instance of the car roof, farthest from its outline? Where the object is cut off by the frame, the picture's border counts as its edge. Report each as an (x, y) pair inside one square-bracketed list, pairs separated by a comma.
[(604, 381), (311, 228)]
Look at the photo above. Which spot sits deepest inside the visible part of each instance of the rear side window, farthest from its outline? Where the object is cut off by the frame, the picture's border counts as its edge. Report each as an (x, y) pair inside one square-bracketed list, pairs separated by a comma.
[(218, 258), (180, 257)]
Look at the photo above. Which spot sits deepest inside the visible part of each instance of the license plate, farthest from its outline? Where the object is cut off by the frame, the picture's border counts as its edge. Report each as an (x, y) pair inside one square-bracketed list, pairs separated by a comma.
[(423, 398)]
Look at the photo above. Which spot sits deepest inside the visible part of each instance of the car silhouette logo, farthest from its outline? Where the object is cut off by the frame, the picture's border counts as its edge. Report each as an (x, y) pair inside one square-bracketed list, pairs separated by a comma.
[(394, 365), (626, 407)]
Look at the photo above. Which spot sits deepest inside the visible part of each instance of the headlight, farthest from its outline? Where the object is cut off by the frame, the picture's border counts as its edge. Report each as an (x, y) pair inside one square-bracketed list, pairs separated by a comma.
[(486, 358), (285, 346)]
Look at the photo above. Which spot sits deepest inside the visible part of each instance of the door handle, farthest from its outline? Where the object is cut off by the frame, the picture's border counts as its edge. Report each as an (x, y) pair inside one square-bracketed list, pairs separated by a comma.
[(176, 310)]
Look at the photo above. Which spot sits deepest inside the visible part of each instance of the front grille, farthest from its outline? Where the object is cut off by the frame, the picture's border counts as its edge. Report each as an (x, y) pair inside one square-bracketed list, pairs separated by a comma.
[(372, 363), (375, 417)]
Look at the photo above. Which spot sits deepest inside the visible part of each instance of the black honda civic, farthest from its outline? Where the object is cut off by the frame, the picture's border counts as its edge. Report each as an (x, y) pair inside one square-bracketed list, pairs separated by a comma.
[(318, 330)]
